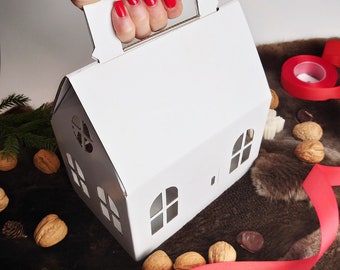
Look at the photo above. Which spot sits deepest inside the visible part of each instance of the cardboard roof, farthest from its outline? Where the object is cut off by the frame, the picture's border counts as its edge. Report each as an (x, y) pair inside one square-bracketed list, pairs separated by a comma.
[(158, 101)]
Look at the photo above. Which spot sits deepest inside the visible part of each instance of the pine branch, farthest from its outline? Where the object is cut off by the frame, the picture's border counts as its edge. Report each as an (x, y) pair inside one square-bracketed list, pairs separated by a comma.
[(11, 146), (13, 100), (35, 141)]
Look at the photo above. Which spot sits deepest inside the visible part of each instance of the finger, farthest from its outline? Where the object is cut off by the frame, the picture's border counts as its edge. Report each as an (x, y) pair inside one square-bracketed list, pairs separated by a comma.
[(81, 3), (122, 22), (157, 13), (173, 8), (140, 17)]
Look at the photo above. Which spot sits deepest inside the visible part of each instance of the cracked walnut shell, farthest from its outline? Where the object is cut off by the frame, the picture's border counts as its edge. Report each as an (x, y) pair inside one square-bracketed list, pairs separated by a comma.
[(308, 131), (310, 151), (46, 161), (50, 231)]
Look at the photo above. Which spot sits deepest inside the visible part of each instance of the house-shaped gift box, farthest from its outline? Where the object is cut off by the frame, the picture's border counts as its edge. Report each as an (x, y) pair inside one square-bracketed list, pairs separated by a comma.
[(154, 135)]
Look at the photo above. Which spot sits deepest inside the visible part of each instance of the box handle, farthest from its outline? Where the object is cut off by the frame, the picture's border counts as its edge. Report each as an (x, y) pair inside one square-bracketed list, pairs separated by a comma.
[(106, 44)]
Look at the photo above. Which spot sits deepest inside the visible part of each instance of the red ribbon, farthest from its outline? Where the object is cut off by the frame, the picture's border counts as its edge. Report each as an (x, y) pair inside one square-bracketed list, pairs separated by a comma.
[(322, 69), (318, 185)]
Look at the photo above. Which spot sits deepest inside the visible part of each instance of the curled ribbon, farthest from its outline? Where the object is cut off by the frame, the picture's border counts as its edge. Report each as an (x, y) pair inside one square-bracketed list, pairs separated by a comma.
[(318, 185), (311, 77)]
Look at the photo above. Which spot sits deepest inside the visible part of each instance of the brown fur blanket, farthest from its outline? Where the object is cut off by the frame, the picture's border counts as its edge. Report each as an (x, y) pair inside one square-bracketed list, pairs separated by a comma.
[(264, 200)]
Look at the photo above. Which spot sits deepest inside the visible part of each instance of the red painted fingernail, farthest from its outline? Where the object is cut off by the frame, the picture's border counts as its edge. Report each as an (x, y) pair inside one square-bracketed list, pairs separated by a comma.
[(150, 3), (133, 2), (119, 8), (170, 3)]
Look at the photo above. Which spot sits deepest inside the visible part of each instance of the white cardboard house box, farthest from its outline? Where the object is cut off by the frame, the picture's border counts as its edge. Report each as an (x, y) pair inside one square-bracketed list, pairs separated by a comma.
[(154, 133)]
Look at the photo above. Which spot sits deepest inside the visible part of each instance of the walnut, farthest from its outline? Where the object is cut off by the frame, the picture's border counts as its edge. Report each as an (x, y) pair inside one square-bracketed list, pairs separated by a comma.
[(4, 200), (7, 163), (221, 252), (308, 131), (46, 161), (158, 260), (310, 151), (50, 231), (275, 100), (189, 260)]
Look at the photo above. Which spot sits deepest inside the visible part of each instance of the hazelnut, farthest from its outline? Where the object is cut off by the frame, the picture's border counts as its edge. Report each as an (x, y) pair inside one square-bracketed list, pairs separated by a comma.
[(221, 252), (46, 161), (310, 151), (4, 200), (189, 260), (50, 231), (308, 131), (7, 163), (158, 260), (275, 100)]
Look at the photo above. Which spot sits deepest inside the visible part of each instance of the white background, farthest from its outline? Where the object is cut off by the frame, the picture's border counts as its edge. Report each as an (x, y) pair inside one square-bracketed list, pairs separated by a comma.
[(43, 40)]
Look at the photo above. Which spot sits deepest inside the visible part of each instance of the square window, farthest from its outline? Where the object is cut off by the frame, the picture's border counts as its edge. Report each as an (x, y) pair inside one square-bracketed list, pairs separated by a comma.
[(85, 190), (105, 211), (117, 224), (246, 153), (157, 223), (234, 163), (75, 178), (172, 212)]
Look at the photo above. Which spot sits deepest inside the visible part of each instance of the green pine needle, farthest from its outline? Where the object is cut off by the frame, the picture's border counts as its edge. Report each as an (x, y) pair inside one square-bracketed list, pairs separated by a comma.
[(11, 146), (13, 100), (31, 129)]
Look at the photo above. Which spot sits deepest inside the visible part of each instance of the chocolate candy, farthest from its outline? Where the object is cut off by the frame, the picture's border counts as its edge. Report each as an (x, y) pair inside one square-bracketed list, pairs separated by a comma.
[(250, 240), (304, 116)]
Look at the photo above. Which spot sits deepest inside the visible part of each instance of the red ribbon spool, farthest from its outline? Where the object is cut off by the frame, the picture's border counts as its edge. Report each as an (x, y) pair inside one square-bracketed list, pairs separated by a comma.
[(311, 77)]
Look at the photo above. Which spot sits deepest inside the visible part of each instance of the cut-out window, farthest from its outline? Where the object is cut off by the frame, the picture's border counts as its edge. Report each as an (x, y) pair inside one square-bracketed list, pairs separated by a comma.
[(82, 134), (109, 208), (164, 209), (77, 174), (242, 149)]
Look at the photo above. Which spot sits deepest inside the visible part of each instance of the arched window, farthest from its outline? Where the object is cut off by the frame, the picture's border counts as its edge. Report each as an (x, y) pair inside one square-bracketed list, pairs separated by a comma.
[(241, 149), (109, 208), (164, 209), (77, 174)]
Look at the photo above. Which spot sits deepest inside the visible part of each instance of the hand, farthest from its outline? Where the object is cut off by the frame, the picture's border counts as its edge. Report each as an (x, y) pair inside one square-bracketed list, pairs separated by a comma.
[(138, 18)]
